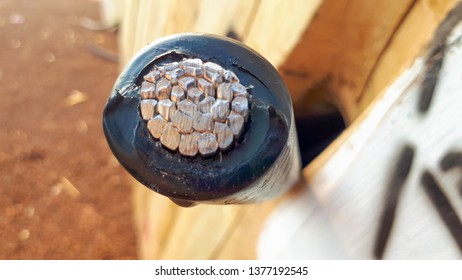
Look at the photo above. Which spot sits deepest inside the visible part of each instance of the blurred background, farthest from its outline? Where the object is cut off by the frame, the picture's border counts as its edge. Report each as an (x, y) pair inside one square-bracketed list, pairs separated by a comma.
[(62, 193)]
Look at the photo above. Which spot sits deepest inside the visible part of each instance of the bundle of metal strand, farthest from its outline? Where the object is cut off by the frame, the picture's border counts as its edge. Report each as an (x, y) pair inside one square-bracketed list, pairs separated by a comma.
[(194, 107)]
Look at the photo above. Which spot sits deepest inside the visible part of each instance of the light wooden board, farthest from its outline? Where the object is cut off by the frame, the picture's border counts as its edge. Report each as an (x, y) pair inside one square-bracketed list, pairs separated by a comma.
[(339, 49), (409, 41), (349, 47), (145, 21), (340, 214), (320, 58), (112, 12), (278, 26)]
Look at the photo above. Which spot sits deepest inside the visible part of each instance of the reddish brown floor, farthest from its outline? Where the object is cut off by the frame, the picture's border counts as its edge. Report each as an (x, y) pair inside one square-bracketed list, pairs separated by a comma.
[(62, 194)]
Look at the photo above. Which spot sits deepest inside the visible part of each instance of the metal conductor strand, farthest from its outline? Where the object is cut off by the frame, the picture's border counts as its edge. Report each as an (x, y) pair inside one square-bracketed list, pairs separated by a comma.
[(194, 107)]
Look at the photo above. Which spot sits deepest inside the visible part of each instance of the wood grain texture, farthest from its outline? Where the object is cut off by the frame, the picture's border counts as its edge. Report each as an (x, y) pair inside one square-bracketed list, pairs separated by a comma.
[(342, 52), (197, 232), (377, 85), (154, 218), (349, 57), (350, 191), (127, 34), (409, 41), (339, 49), (145, 21), (277, 27), (218, 17)]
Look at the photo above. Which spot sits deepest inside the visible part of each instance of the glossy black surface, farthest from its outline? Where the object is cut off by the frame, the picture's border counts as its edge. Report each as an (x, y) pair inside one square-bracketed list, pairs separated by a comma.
[(199, 179)]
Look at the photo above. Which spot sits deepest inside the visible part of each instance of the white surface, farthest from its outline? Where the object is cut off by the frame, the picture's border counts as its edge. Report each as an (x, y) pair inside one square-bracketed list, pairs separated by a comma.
[(316, 270)]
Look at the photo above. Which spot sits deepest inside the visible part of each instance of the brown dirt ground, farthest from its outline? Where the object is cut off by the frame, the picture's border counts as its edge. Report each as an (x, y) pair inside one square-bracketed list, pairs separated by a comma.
[(62, 193)]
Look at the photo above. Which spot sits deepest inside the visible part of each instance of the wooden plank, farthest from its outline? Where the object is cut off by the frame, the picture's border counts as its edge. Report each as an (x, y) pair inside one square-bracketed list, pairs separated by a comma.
[(112, 12), (218, 17), (244, 233), (199, 231), (417, 16), (179, 17), (127, 34), (243, 237), (154, 218), (144, 14), (409, 41), (150, 16), (339, 49), (145, 21), (278, 26), (245, 12), (387, 190)]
